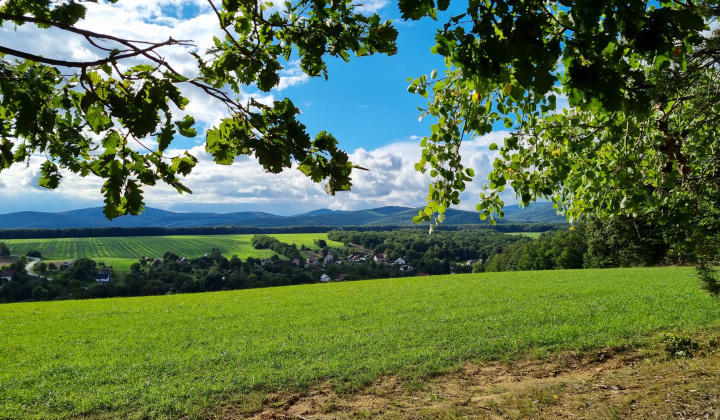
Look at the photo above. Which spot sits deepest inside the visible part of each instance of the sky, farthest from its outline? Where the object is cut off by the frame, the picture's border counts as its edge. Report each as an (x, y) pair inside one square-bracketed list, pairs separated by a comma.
[(364, 104)]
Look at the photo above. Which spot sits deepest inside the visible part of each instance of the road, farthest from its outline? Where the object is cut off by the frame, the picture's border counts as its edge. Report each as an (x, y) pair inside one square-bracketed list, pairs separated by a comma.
[(31, 264)]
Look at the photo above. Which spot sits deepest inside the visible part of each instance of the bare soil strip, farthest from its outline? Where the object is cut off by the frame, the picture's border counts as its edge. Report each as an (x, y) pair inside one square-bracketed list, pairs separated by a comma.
[(606, 384)]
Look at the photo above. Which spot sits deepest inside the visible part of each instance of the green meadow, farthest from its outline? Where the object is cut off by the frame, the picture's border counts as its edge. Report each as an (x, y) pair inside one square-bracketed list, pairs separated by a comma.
[(183, 355), (123, 251), (533, 235)]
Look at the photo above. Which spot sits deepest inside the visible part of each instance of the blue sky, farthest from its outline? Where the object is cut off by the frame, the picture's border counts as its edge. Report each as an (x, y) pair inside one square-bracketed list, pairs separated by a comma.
[(364, 104)]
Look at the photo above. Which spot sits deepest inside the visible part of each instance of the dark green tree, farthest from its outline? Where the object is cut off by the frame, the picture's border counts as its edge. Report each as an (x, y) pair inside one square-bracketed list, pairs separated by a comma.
[(4, 250)]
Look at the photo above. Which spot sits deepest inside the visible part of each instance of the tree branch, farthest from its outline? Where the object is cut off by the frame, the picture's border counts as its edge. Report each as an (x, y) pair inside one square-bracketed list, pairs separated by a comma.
[(85, 64)]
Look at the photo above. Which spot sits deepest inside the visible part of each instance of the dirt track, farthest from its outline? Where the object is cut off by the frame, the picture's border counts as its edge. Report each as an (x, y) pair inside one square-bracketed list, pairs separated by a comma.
[(607, 384)]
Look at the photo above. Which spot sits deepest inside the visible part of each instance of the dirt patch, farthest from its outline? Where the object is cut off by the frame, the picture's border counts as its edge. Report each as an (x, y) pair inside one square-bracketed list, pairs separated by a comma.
[(605, 384)]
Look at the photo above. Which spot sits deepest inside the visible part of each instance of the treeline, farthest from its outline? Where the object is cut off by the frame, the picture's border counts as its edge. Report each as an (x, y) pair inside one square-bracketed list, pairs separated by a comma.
[(153, 231), (236, 230), (623, 243)]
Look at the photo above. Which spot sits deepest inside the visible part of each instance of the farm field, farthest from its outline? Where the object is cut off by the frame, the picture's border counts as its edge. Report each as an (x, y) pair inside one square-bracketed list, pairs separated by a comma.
[(123, 251), (187, 355), (533, 235)]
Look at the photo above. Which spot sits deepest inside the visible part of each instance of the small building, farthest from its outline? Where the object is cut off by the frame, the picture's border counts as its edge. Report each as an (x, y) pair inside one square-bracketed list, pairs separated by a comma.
[(266, 261), (6, 275), (379, 258), (310, 260), (324, 278), (296, 262), (406, 267), (399, 261), (183, 261), (102, 278), (470, 262), (157, 262), (329, 258)]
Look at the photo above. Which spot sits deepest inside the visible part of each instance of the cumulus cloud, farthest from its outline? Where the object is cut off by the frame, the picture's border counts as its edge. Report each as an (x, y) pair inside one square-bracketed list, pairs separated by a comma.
[(370, 6), (390, 179)]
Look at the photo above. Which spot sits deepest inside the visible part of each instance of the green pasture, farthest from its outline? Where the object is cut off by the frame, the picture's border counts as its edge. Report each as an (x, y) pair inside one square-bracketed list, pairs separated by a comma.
[(183, 355), (533, 235), (126, 250)]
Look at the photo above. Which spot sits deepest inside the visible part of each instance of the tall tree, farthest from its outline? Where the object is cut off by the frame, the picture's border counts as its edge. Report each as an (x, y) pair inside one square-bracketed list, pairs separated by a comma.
[(637, 137)]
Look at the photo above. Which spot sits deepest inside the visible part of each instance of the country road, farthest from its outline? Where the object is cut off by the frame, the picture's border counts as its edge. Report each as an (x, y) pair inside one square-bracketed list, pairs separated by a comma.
[(31, 264)]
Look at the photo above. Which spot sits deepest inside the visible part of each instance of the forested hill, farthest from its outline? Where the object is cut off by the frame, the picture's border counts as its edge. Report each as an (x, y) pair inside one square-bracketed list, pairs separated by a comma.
[(383, 216)]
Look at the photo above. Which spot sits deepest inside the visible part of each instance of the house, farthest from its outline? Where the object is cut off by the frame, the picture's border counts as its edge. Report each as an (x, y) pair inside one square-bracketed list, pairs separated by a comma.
[(351, 258), (399, 261), (310, 260), (67, 264), (102, 278), (183, 261), (6, 275), (470, 262), (406, 267), (324, 278), (329, 258), (296, 262), (266, 261), (379, 258)]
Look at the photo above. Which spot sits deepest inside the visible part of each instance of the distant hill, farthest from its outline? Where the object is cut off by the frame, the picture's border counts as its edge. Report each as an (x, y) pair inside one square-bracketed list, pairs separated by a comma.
[(382, 216)]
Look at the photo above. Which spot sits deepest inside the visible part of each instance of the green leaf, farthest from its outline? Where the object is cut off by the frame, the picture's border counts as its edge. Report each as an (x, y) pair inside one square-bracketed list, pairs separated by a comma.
[(185, 126)]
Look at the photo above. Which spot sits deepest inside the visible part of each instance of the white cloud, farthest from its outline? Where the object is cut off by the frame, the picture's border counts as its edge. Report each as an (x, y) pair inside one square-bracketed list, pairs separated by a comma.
[(391, 179), (370, 6), (292, 75)]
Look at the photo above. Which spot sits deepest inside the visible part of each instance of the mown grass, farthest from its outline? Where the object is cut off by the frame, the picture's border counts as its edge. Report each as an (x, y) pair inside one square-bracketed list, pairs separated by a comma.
[(178, 355), (126, 250)]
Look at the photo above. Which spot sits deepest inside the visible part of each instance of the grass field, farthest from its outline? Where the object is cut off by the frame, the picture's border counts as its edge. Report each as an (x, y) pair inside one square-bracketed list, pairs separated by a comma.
[(121, 252), (533, 235), (183, 355)]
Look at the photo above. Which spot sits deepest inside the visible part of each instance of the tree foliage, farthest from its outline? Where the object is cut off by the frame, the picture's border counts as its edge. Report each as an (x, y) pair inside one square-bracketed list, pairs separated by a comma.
[(4, 250), (637, 138), (87, 116)]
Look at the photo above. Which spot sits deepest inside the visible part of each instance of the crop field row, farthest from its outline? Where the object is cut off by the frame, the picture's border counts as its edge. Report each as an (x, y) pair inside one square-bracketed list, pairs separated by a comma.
[(182, 355), (132, 248)]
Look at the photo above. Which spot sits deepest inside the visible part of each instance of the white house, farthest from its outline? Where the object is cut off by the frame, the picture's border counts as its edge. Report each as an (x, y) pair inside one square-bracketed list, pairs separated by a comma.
[(405, 267), (399, 261), (103, 278), (324, 278), (6, 275), (379, 258)]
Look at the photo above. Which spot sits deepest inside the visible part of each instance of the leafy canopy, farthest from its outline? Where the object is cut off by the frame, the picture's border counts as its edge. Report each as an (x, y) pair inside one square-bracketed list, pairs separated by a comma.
[(637, 139), (86, 115)]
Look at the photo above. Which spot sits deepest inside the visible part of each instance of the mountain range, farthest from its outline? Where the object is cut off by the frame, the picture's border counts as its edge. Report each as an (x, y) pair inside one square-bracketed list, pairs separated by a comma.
[(151, 217)]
